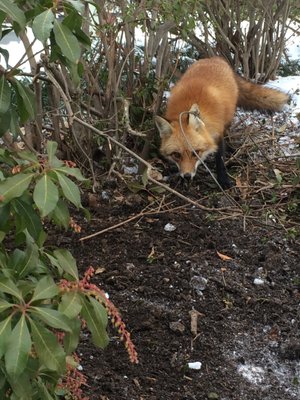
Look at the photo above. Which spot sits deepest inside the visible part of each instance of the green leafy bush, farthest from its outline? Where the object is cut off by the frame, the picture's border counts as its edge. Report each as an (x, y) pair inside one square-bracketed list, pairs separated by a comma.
[(42, 299)]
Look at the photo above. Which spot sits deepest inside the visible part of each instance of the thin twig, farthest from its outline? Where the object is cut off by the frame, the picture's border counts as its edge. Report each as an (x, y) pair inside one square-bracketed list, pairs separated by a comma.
[(149, 168)]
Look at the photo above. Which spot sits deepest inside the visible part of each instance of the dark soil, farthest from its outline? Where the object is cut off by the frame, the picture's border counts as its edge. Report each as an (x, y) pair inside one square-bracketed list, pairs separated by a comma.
[(247, 334)]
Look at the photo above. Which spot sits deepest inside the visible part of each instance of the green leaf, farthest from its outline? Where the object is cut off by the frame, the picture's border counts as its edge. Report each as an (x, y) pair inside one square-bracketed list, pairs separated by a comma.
[(73, 172), (47, 347), (67, 42), (13, 11), (5, 95), (45, 289), (28, 156), (100, 311), (95, 323), (71, 339), (51, 150), (5, 54), (29, 216), (70, 304), (28, 100), (77, 4), (69, 188), (19, 346), (60, 214), (20, 387), (73, 21), (14, 123), (5, 333), (53, 318), (30, 261), (14, 186), (45, 195), (4, 217), (5, 121), (43, 24), (8, 286), (4, 305), (66, 262), (43, 391)]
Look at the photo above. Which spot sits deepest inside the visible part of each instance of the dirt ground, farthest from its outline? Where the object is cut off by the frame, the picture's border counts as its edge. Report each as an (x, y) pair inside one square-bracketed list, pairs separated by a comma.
[(217, 285), (184, 302)]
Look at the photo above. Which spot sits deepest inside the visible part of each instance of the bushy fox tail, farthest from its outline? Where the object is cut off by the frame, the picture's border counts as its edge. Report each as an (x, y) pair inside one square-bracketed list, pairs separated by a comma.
[(254, 96)]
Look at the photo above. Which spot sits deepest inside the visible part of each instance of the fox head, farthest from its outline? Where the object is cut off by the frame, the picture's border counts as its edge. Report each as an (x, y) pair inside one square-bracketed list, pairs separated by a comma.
[(186, 148)]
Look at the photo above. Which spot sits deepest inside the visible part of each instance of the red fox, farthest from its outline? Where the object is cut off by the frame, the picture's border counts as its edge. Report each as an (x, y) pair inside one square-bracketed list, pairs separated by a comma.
[(201, 106)]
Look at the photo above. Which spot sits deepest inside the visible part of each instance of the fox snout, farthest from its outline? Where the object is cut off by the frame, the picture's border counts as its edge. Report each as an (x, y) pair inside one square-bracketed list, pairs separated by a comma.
[(188, 165)]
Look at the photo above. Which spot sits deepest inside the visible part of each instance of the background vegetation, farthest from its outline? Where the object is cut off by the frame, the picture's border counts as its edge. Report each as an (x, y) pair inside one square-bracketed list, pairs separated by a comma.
[(92, 92)]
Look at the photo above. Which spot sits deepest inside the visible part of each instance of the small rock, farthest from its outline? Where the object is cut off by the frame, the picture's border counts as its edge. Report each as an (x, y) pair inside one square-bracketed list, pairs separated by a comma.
[(258, 282), (104, 195), (198, 283), (212, 396), (169, 227)]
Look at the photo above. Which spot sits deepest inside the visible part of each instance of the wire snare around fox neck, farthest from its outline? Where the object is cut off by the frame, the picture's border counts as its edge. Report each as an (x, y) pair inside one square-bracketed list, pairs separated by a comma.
[(196, 114)]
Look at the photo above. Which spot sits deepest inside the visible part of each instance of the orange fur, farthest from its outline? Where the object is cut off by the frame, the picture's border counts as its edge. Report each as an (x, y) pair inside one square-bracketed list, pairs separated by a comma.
[(212, 91)]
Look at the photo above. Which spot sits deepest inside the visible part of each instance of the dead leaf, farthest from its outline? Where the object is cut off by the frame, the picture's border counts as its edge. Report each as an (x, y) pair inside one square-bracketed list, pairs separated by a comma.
[(154, 174), (224, 257), (194, 321), (177, 326), (93, 200), (100, 270), (136, 382)]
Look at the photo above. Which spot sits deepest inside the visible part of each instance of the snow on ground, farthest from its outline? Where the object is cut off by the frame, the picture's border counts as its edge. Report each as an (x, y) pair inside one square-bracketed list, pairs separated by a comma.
[(259, 364)]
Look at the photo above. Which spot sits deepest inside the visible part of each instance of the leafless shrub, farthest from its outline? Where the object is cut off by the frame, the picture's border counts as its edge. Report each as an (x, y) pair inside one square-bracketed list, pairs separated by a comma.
[(250, 35)]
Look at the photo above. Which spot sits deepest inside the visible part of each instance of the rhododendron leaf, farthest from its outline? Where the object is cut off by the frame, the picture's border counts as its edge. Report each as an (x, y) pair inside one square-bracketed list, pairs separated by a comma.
[(51, 150), (72, 171), (70, 304), (71, 339), (69, 188), (14, 186), (13, 11), (5, 332), (45, 289), (46, 345), (67, 42), (45, 195), (8, 286), (61, 215), (29, 217), (5, 95), (18, 348), (43, 24), (53, 318), (95, 324), (66, 262)]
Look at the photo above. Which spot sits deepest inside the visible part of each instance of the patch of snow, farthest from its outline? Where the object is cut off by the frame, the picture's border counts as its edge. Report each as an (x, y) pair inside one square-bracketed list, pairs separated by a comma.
[(262, 365), (252, 373)]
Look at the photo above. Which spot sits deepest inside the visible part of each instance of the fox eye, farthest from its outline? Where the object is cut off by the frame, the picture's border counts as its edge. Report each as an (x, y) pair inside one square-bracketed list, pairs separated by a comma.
[(176, 155), (198, 152)]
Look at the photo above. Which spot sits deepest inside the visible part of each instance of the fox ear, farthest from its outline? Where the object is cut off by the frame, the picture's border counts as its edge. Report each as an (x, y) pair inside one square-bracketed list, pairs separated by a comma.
[(194, 117), (163, 126)]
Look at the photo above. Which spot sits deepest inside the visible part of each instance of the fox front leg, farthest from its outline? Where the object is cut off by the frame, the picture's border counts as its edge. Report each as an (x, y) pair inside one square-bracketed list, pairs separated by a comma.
[(222, 175)]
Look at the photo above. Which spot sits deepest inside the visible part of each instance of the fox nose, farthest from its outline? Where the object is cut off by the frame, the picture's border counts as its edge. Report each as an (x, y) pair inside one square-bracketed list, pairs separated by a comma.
[(187, 176)]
